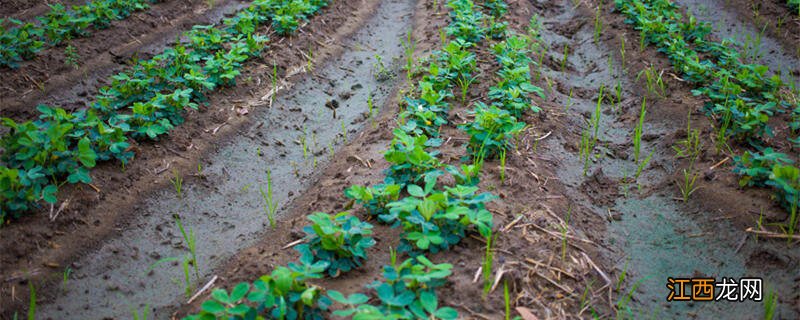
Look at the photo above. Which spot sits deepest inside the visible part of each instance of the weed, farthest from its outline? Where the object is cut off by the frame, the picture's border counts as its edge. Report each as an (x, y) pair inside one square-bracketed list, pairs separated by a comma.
[(564, 59), (507, 299), (270, 205), (598, 23), (488, 261), (654, 81), (643, 164), (637, 132), (463, 83), (177, 183), (409, 45), (370, 106), (688, 186), (71, 56), (622, 275), (191, 244), (690, 147), (65, 278), (381, 72), (32, 304), (564, 229), (140, 316), (503, 166), (569, 101), (187, 280), (344, 132), (770, 305), (622, 51)]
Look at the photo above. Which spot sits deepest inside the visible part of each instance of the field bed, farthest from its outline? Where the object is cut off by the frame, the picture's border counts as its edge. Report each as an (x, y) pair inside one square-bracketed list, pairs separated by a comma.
[(582, 227), (47, 79)]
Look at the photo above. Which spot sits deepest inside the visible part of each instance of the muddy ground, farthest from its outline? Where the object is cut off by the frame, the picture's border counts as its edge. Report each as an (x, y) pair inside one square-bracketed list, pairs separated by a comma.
[(640, 229)]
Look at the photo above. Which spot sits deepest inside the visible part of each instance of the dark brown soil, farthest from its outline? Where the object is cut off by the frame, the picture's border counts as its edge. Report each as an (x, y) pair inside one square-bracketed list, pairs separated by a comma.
[(28, 9), (47, 79), (530, 201), (533, 203)]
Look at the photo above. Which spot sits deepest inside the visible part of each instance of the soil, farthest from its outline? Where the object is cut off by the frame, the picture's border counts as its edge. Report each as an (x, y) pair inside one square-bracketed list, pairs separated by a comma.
[(626, 236), (48, 79)]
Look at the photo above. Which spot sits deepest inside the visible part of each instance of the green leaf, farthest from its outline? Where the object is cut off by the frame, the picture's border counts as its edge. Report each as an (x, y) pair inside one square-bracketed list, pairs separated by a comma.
[(86, 155), (49, 193), (212, 306), (446, 313), (428, 300), (416, 191), (239, 291)]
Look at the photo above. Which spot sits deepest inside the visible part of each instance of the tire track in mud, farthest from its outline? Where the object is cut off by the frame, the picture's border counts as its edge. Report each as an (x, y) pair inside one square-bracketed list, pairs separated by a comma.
[(48, 80), (652, 235), (225, 209)]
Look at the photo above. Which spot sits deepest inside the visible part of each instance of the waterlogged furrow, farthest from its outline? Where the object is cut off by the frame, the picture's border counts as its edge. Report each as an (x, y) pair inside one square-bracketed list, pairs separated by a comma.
[(230, 207), (145, 102), (432, 219), (744, 97)]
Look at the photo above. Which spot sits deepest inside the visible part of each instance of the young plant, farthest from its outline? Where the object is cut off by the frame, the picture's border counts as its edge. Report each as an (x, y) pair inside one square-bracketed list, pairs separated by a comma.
[(187, 279), (340, 240), (486, 267), (375, 198), (688, 186), (270, 204), (564, 229), (598, 23), (140, 316), (770, 305), (503, 166), (191, 243), (177, 183), (638, 131), (71, 57), (654, 81), (406, 293), (434, 220), (283, 294), (32, 303), (491, 131), (506, 300)]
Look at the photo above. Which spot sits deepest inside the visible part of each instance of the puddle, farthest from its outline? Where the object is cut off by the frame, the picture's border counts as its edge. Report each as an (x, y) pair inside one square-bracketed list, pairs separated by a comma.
[(754, 43), (226, 211), (661, 240), (657, 237)]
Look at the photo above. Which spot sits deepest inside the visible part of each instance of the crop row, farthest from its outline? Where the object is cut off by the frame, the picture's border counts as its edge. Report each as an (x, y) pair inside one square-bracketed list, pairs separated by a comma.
[(144, 102), (21, 41), (433, 217), (742, 97)]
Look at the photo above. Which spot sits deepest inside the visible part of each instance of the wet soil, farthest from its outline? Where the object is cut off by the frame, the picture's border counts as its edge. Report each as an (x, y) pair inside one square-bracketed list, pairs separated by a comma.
[(41, 250), (48, 79), (626, 235), (773, 17), (225, 209), (28, 9)]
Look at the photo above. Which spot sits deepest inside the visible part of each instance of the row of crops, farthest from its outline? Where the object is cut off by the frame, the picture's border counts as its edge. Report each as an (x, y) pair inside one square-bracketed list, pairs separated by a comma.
[(142, 103), (745, 100), (20, 41), (433, 217)]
